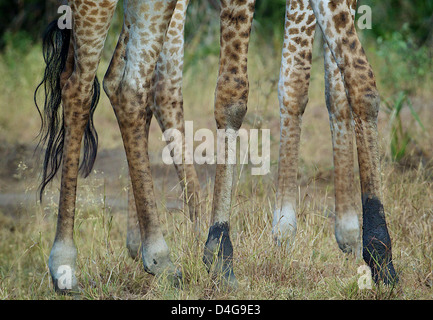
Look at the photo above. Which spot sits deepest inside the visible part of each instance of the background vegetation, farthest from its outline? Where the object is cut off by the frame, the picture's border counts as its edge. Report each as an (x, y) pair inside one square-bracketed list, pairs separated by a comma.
[(400, 48)]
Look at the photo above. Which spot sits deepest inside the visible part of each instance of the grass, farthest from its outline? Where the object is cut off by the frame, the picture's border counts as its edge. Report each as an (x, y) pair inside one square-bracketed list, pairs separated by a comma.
[(314, 269)]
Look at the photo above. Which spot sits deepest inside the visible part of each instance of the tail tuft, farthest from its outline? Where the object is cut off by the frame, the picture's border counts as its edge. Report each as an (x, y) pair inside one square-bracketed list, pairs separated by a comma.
[(55, 47)]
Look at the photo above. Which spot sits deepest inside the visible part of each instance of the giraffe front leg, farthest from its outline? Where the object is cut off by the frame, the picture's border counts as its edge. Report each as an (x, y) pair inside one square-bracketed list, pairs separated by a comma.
[(128, 86), (231, 98), (111, 83), (340, 117), (293, 97), (338, 28), (133, 234), (168, 105), (347, 229)]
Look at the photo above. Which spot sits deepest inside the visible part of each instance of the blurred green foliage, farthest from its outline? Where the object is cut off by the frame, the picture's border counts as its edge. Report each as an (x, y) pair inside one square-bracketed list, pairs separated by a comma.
[(25, 19), (413, 18), (401, 137), (404, 62)]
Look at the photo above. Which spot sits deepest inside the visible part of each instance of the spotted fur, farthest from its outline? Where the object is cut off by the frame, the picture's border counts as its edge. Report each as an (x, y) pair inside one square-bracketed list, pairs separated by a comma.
[(144, 79)]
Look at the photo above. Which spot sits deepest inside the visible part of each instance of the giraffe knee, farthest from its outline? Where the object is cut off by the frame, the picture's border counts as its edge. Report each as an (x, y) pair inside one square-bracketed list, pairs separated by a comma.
[(116, 86), (77, 94), (167, 93), (365, 105), (231, 102), (233, 116), (110, 85), (127, 98), (293, 100), (168, 104)]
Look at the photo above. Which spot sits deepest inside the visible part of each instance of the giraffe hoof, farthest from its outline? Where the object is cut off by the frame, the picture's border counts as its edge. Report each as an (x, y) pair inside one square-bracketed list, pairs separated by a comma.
[(284, 239), (377, 243), (133, 249), (156, 261), (133, 242), (379, 259), (61, 264), (284, 227), (347, 234), (218, 255)]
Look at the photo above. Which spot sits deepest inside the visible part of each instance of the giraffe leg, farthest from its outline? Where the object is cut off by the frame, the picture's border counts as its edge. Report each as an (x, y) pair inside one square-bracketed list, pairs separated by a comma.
[(230, 107), (339, 32), (111, 82), (128, 86), (133, 234), (168, 105), (168, 110), (340, 117), (76, 98), (293, 97)]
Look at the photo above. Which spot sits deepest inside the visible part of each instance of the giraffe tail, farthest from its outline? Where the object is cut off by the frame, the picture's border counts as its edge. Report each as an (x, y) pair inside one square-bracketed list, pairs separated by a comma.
[(55, 47)]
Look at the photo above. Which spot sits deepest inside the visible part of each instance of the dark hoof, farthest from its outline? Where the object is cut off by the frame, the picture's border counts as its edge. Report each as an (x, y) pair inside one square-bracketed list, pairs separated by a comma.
[(377, 251), (379, 259), (218, 255)]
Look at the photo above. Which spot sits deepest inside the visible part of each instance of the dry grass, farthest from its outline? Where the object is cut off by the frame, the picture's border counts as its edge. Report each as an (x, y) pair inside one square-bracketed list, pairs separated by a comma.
[(314, 269)]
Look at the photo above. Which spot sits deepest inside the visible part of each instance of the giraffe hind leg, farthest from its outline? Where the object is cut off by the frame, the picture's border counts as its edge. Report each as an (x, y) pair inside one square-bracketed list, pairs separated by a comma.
[(293, 97), (339, 31), (346, 220), (347, 229), (128, 86), (168, 106)]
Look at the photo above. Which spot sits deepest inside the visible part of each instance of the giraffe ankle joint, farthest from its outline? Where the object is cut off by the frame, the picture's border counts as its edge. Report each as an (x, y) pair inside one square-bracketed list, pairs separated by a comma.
[(233, 116), (110, 87), (367, 106), (292, 103)]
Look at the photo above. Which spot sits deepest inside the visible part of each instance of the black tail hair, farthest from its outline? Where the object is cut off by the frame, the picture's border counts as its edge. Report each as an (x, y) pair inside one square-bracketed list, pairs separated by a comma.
[(55, 49)]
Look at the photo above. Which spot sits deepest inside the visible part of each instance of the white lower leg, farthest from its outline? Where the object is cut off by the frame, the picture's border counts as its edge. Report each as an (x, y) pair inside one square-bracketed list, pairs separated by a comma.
[(62, 265), (284, 224), (347, 232), (156, 257)]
